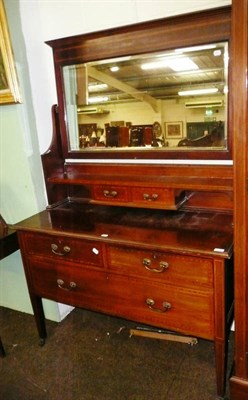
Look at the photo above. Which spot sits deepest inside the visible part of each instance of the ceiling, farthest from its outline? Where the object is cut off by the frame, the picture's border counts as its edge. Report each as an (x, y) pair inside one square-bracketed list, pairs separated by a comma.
[(133, 82)]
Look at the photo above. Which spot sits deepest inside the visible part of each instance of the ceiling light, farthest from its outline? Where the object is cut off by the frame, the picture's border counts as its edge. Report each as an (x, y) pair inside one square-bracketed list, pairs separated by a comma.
[(182, 64), (177, 64), (198, 92), (154, 65), (209, 112), (225, 91), (98, 99), (114, 68), (95, 87), (217, 53)]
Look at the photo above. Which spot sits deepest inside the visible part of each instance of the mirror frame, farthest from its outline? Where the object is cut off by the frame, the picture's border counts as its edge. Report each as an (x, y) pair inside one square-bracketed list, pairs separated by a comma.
[(213, 25)]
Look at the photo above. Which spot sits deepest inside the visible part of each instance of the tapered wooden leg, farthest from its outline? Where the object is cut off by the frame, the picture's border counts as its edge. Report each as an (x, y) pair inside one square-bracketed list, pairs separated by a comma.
[(220, 326), (39, 318), (220, 362)]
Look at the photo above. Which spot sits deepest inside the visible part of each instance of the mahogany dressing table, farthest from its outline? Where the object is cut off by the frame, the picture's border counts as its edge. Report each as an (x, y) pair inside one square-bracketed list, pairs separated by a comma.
[(147, 241)]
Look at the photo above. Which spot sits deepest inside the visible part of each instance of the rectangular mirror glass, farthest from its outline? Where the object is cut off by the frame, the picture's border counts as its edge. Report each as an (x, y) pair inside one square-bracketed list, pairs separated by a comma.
[(173, 100)]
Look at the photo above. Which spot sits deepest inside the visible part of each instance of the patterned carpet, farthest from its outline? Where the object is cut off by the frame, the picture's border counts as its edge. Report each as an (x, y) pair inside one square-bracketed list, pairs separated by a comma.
[(89, 356)]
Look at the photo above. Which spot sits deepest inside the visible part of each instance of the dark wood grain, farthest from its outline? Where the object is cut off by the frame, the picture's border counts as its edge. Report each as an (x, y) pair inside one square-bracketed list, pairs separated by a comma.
[(189, 232), (96, 257), (239, 382), (110, 254)]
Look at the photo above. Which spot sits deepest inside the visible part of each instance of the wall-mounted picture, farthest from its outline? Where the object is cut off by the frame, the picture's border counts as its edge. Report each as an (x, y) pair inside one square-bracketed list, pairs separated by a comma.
[(9, 88), (174, 130)]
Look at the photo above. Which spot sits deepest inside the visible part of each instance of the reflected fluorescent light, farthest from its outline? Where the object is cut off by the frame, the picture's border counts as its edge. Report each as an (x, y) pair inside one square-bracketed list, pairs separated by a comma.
[(225, 91), (98, 99), (177, 64), (114, 68), (196, 48), (217, 53), (198, 92), (209, 112), (182, 64), (95, 87), (154, 65)]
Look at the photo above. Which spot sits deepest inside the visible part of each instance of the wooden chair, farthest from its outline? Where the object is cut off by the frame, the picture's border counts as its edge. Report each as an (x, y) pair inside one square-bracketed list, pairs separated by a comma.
[(8, 244)]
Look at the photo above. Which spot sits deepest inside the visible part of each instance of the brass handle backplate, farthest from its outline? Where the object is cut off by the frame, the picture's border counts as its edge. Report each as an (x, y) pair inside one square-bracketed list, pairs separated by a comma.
[(54, 247), (61, 283), (151, 304), (110, 194), (150, 197), (163, 265)]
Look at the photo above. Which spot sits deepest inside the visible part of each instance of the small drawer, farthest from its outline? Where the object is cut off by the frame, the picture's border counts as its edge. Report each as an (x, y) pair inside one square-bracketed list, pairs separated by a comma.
[(166, 267), (110, 193), (158, 197), (67, 283), (66, 248)]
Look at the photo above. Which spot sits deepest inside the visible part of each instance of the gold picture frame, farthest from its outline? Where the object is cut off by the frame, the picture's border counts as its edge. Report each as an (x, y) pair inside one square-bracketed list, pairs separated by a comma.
[(174, 130), (9, 88)]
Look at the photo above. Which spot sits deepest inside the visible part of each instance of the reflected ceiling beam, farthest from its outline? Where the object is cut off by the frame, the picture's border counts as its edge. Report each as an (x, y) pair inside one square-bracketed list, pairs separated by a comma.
[(123, 87), (185, 74)]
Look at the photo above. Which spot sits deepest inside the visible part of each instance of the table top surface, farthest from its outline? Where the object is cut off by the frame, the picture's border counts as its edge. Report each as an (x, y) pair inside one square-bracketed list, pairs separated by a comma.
[(203, 233)]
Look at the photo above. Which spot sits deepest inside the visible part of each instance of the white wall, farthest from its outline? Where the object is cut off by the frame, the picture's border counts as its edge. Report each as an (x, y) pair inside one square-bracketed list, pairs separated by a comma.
[(26, 129)]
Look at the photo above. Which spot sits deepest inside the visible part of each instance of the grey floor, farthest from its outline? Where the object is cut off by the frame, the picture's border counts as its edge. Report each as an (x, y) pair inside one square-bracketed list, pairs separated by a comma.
[(90, 356)]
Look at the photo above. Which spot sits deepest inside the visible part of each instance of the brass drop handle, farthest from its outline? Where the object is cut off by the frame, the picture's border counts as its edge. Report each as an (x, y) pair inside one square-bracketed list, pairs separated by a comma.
[(151, 305), (110, 194), (149, 197), (72, 285), (55, 247), (163, 265)]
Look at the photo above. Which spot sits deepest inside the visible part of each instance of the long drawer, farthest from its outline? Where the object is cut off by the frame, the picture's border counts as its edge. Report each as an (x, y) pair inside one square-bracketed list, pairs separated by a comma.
[(64, 248), (163, 266), (179, 309)]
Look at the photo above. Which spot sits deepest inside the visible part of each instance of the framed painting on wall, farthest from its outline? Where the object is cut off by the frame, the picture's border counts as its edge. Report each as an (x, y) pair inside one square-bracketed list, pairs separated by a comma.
[(9, 88), (173, 130)]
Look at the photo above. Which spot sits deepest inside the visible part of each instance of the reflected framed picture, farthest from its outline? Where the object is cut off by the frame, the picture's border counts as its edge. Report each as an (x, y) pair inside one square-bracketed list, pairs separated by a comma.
[(9, 88), (174, 130)]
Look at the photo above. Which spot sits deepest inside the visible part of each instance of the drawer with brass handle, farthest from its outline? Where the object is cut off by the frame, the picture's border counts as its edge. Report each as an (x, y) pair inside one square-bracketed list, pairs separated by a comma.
[(166, 306), (158, 197), (66, 248), (68, 283), (183, 270), (110, 193), (185, 310)]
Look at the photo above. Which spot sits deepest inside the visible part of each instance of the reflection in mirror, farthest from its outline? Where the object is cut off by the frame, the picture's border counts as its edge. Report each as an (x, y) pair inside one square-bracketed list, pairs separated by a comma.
[(174, 100)]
